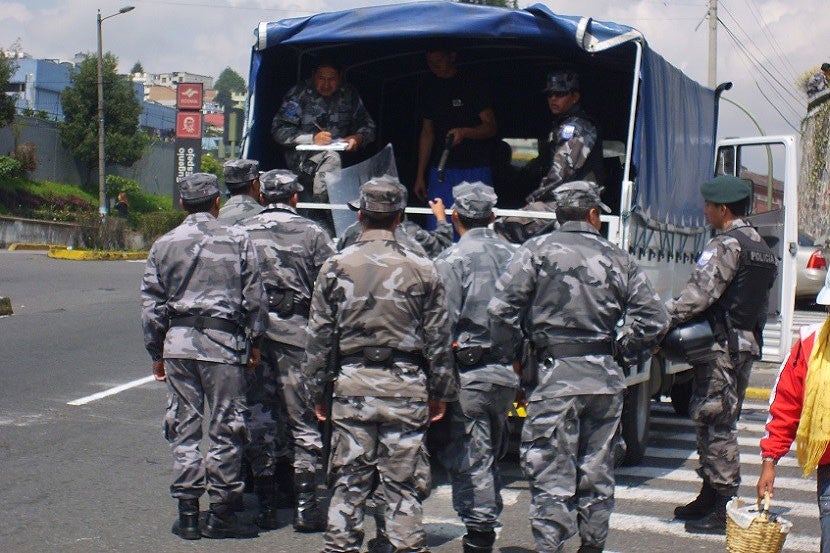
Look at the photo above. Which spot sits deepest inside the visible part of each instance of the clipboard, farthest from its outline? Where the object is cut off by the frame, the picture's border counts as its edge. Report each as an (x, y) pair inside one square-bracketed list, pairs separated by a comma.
[(337, 146)]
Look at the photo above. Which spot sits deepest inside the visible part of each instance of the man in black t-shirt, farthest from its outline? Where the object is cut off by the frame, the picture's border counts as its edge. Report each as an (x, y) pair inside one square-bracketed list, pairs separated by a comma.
[(453, 104)]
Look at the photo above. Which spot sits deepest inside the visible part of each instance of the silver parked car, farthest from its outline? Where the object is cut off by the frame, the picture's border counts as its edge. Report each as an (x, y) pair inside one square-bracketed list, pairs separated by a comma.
[(811, 269)]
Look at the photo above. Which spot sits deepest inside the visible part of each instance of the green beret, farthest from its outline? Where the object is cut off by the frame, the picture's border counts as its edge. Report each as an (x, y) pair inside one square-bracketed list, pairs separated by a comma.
[(725, 189)]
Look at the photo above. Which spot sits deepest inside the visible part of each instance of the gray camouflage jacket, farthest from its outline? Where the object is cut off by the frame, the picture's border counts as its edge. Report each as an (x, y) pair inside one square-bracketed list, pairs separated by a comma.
[(291, 250), (715, 269), (574, 286), (379, 293), (202, 267), (572, 141), (469, 270), (303, 108), (238, 208), (409, 234)]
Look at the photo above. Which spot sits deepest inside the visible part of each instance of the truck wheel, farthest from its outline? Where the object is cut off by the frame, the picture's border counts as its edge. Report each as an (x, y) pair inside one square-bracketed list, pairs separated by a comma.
[(681, 393), (635, 423)]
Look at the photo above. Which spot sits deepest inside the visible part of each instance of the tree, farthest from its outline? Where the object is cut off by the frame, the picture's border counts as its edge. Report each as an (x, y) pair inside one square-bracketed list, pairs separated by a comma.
[(228, 82), (7, 68), (501, 3), (79, 131), (137, 68)]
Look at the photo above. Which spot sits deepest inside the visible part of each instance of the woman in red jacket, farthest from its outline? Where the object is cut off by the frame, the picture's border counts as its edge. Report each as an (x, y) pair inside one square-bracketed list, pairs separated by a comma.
[(800, 410)]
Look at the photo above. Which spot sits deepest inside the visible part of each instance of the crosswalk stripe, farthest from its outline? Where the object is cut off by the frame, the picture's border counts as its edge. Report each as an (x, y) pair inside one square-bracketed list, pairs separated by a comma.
[(747, 441), (660, 420), (653, 495), (664, 404), (637, 523), (686, 475), (672, 453)]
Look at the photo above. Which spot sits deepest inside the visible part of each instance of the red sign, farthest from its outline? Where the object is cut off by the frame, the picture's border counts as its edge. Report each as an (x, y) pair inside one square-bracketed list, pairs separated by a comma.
[(188, 124), (189, 95)]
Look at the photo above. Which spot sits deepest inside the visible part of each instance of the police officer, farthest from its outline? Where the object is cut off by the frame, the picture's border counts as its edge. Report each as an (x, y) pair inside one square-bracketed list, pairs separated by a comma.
[(730, 287), (318, 112), (818, 82), (242, 180), (201, 291), (478, 421), (291, 250), (567, 293), (388, 306)]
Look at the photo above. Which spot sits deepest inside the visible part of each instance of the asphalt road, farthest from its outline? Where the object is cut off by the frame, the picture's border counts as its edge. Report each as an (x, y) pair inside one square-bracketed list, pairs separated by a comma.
[(95, 476)]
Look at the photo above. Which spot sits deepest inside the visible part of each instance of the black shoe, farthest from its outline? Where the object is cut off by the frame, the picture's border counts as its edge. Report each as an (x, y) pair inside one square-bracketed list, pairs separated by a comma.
[(477, 541), (701, 506), (267, 518), (284, 485), (585, 548), (379, 544), (308, 517), (225, 524), (187, 525), (714, 522)]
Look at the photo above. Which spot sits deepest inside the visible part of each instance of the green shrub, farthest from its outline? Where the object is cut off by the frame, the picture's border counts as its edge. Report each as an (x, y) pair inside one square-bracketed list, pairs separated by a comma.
[(153, 225), (138, 200), (10, 168), (211, 165), (25, 154)]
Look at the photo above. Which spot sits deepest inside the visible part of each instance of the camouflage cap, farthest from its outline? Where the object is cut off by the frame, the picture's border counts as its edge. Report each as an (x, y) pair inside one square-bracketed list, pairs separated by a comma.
[(725, 189), (825, 66), (278, 183), (474, 200), (383, 194), (198, 187), (240, 171), (561, 81), (579, 193)]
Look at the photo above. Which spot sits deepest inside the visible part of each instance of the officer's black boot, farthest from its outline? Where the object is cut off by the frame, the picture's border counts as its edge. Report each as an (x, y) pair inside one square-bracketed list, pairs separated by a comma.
[(267, 518), (284, 483), (714, 522), (307, 517), (379, 544), (585, 548), (700, 506), (479, 541), (223, 523), (187, 527)]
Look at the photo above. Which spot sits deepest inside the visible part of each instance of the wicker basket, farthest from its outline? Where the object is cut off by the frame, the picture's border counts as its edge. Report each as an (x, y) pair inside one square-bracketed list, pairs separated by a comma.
[(762, 536)]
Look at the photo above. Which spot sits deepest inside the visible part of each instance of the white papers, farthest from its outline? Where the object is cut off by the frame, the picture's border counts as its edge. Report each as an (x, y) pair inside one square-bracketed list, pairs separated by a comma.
[(336, 146)]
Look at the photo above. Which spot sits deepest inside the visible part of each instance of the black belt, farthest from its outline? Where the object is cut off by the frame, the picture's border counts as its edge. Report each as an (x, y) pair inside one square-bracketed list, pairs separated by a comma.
[(300, 308), (371, 356), (558, 351), (201, 322), (473, 357)]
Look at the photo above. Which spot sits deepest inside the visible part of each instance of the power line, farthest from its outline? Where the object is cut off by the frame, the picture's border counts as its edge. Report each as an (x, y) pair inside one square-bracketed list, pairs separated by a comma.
[(765, 28)]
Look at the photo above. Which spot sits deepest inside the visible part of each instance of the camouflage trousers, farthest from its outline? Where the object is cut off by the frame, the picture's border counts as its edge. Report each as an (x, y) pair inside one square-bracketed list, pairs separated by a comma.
[(267, 421), (715, 406), (567, 454), (316, 167), (478, 439), (189, 384), (383, 438), (299, 424)]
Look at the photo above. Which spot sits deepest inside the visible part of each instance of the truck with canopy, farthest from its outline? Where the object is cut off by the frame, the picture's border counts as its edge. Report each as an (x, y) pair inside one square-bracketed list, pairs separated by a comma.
[(658, 127)]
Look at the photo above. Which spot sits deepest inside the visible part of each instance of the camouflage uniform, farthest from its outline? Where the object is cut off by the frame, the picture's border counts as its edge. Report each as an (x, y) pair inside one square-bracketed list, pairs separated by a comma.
[(296, 122), (239, 174), (429, 243), (719, 385), (203, 268), (566, 292), (478, 422), (291, 249), (377, 293), (815, 84)]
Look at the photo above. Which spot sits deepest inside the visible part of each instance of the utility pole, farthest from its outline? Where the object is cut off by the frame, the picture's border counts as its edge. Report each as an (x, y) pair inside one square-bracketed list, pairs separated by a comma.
[(713, 43)]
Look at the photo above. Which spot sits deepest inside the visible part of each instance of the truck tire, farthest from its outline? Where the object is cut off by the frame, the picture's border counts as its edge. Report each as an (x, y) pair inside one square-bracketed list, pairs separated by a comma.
[(636, 415), (681, 393)]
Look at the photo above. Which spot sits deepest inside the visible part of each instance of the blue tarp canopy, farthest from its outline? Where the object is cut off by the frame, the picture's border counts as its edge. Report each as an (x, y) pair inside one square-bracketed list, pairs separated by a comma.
[(381, 52)]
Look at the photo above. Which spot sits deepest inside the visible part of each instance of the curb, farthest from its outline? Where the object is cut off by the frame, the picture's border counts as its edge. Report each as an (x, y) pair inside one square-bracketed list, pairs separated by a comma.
[(94, 255), (757, 393), (23, 246), (5, 307)]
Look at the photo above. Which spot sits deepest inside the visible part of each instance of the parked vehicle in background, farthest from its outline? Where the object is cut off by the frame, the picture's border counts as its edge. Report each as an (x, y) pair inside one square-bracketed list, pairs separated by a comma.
[(811, 269)]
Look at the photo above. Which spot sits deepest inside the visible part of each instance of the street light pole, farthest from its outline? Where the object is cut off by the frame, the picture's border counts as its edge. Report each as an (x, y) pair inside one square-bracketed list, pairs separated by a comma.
[(103, 208)]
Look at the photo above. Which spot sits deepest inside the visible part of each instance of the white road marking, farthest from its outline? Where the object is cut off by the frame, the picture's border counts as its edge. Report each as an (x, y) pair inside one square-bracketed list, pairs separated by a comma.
[(636, 523), (112, 391), (661, 420), (747, 441), (746, 459), (686, 475)]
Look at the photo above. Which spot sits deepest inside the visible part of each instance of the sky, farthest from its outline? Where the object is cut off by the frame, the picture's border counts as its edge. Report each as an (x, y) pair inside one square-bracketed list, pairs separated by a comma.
[(764, 46)]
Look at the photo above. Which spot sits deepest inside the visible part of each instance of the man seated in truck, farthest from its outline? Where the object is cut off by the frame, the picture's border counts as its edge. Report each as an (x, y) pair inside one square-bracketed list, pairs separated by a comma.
[(455, 143), (321, 124), (575, 153)]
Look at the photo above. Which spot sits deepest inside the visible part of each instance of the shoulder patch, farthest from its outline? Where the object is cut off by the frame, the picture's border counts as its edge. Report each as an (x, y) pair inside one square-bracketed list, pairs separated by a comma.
[(705, 257), (292, 108), (567, 132)]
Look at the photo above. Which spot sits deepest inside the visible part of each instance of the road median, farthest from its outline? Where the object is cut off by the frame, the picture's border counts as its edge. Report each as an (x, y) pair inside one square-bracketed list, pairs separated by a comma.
[(94, 255)]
